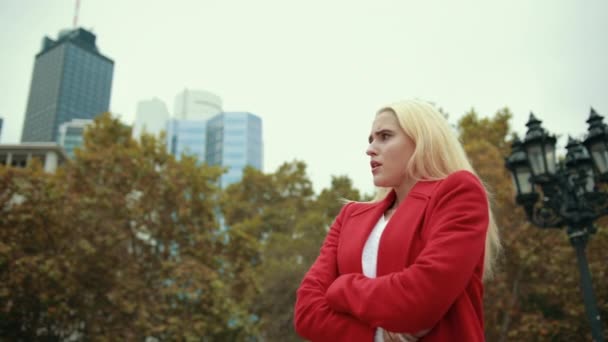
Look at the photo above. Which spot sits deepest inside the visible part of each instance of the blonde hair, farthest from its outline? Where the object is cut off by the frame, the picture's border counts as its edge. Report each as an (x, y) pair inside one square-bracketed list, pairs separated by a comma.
[(437, 153)]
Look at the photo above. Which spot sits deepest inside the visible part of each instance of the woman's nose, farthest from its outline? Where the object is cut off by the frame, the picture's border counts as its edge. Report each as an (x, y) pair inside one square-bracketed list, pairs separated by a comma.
[(371, 150)]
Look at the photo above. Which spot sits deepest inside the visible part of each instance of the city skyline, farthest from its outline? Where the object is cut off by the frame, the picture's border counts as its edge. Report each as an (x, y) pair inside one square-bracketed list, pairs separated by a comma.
[(316, 72)]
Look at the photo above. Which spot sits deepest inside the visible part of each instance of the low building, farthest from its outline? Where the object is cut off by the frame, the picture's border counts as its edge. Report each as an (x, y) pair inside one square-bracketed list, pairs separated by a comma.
[(50, 155)]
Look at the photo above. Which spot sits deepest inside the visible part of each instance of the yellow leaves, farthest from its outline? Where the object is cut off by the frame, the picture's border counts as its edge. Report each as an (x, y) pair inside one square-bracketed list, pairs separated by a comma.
[(86, 247), (493, 130), (129, 307), (4, 249)]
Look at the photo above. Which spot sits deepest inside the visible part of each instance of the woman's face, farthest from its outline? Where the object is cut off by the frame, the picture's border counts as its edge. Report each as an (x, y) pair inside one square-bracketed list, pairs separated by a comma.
[(390, 150)]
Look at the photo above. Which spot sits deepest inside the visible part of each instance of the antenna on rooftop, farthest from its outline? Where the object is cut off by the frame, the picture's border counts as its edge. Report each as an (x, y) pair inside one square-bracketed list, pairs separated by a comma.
[(76, 13)]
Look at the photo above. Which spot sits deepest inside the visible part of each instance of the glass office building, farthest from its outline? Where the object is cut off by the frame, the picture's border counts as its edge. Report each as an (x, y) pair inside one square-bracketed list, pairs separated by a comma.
[(151, 117), (71, 135), (187, 137), (234, 140), (193, 104), (71, 79)]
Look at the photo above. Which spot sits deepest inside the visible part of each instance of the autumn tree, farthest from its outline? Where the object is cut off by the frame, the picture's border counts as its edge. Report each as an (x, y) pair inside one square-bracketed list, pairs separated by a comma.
[(289, 222), (36, 295)]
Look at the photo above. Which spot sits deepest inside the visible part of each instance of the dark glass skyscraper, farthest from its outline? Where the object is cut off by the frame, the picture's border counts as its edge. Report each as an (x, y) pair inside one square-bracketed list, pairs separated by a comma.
[(71, 80)]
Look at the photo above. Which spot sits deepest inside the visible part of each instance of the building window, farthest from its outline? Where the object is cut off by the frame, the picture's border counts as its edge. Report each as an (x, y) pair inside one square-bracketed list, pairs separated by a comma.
[(19, 161)]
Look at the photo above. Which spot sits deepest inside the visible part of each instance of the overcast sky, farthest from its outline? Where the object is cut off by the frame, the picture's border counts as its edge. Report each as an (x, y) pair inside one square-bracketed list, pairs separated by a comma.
[(315, 71)]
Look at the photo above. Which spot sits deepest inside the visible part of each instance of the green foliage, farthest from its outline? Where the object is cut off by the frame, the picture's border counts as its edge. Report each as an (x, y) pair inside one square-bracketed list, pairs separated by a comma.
[(279, 209)]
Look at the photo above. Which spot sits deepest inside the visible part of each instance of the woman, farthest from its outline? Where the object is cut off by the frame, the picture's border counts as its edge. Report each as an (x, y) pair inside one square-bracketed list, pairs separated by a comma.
[(409, 265)]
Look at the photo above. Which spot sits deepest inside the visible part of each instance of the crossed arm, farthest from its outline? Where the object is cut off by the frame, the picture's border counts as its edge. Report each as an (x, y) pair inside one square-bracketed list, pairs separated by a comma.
[(314, 319)]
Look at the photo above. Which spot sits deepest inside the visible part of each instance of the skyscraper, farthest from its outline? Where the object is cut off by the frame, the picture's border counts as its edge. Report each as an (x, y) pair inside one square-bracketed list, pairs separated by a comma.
[(71, 79), (151, 117), (187, 137), (196, 105), (234, 140)]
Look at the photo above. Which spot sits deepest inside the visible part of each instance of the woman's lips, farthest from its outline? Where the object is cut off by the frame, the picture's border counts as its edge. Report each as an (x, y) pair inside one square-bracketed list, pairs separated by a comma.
[(375, 166)]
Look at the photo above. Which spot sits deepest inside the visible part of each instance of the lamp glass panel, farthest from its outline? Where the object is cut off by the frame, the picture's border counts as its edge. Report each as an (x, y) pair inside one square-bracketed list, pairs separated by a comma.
[(550, 157), (535, 156), (523, 178), (581, 180), (599, 154), (590, 182)]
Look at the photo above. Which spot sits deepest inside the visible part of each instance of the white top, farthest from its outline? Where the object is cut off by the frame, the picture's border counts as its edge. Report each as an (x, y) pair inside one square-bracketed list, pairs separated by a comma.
[(369, 258), (369, 261)]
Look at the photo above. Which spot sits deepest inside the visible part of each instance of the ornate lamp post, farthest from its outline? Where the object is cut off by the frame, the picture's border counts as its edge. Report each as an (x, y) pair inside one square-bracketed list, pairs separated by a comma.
[(570, 195)]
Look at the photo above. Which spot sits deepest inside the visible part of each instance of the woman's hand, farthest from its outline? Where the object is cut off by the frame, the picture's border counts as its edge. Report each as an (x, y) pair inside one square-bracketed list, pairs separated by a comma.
[(398, 337)]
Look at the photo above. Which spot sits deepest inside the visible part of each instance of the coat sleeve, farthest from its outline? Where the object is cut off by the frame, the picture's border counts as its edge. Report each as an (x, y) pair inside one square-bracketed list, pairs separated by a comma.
[(417, 297), (313, 318)]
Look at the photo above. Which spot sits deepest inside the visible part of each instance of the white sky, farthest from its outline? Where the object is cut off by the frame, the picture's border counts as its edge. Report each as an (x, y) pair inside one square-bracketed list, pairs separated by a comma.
[(315, 71)]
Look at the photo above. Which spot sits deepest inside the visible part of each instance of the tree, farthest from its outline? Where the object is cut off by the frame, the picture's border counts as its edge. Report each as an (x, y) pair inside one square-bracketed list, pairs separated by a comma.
[(267, 209), (35, 293), (289, 223)]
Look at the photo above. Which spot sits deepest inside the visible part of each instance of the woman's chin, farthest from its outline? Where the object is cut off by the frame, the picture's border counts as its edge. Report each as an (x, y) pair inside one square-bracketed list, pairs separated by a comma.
[(381, 183)]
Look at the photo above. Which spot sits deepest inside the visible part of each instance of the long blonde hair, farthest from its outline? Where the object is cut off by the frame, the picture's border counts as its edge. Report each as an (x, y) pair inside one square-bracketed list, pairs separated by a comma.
[(437, 153)]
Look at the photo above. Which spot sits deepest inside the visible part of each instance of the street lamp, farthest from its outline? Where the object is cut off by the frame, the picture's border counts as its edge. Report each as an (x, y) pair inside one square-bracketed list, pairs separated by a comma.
[(570, 193)]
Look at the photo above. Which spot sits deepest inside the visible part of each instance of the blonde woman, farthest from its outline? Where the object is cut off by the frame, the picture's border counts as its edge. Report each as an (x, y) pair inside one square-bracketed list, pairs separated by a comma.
[(409, 265)]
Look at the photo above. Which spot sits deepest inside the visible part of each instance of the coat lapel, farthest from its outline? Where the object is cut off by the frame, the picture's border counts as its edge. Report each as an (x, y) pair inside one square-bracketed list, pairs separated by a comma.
[(398, 248), (397, 245), (355, 234)]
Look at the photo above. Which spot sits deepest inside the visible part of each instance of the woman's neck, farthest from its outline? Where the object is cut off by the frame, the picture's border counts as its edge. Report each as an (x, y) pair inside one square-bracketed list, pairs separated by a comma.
[(401, 191)]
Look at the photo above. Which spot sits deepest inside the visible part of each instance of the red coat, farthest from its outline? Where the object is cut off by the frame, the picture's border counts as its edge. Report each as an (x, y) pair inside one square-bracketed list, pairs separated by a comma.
[(429, 268)]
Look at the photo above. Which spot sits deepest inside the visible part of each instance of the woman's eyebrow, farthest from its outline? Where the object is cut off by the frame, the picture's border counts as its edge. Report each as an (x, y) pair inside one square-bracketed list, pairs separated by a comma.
[(378, 132)]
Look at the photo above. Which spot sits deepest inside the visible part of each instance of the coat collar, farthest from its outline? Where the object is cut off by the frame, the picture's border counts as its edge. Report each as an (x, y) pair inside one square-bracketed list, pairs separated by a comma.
[(421, 190), (396, 241)]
